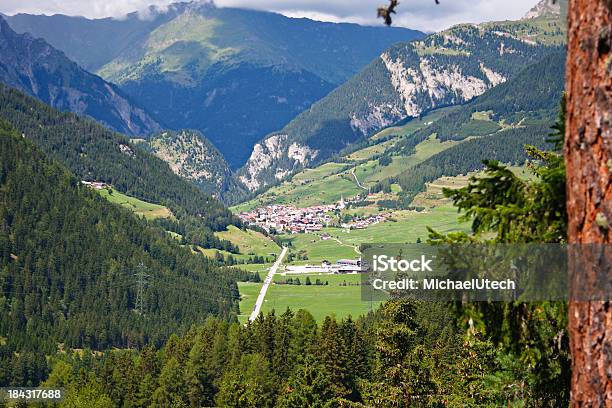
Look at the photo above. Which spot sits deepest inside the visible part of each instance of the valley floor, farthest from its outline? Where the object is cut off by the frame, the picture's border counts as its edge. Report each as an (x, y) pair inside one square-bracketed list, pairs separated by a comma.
[(342, 294), (356, 174)]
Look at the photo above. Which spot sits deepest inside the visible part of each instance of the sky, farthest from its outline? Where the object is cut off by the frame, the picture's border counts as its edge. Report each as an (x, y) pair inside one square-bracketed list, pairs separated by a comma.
[(417, 14)]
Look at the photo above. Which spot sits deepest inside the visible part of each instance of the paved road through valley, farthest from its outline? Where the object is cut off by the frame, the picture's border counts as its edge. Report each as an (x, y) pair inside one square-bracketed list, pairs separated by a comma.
[(267, 282)]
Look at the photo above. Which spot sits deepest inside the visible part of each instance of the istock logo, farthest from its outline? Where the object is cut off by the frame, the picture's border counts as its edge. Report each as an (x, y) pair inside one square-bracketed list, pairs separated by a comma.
[(384, 263)]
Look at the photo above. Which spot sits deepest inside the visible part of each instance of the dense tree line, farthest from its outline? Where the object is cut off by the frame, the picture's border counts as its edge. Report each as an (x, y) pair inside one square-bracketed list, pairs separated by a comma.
[(94, 153), (403, 350), (68, 260), (406, 353), (505, 146)]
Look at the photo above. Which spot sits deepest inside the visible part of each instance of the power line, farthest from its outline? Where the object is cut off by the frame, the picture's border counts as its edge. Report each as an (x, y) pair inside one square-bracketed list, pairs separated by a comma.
[(141, 281)]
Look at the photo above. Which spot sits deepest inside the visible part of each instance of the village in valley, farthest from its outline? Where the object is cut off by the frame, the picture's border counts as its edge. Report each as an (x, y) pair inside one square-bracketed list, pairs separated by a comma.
[(280, 218)]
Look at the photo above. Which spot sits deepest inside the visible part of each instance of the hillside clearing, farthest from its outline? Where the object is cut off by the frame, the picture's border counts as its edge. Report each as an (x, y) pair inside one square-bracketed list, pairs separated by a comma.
[(141, 208)]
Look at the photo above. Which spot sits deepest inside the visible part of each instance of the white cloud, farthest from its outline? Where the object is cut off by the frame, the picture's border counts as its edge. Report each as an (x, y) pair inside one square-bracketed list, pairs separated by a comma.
[(420, 14)]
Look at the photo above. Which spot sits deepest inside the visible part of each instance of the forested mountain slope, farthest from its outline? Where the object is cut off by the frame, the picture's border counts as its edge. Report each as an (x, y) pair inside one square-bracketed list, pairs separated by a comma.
[(406, 81), (233, 74), (40, 70), (93, 153), (494, 126), (68, 260), (192, 156), (446, 142), (533, 94)]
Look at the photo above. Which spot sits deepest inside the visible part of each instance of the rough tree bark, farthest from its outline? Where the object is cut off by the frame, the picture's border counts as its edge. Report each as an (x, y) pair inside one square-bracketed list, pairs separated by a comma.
[(588, 152)]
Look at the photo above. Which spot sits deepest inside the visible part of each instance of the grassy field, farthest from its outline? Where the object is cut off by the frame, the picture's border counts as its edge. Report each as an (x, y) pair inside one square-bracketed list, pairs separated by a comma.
[(413, 125), (319, 250), (433, 196), (140, 208), (371, 172), (405, 227), (250, 243), (546, 30), (336, 298), (332, 299), (371, 151), (262, 269), (248, 296)]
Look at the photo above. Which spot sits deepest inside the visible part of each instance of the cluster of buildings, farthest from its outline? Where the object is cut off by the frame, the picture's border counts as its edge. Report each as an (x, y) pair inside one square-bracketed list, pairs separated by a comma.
[(96, 185), (282, 218), (342, 266), (289, 219), (363, 223)]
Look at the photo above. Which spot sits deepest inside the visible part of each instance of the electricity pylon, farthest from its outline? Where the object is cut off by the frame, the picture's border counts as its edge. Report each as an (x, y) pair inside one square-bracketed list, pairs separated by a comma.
[(141, 282)]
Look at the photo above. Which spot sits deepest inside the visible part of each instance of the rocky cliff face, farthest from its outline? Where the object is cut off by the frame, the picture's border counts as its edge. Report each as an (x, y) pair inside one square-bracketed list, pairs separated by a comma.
[(236, 75), (545, 8), (33, 66), (447, 68), (191, 156), (268, 154)]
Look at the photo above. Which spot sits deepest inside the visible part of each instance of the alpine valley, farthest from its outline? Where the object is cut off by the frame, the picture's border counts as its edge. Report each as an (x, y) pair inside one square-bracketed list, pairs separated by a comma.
[(187, 193), (233, 74)]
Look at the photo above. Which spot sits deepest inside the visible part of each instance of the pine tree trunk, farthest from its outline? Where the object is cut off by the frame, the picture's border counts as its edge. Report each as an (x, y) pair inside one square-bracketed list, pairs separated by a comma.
[(588, 152)]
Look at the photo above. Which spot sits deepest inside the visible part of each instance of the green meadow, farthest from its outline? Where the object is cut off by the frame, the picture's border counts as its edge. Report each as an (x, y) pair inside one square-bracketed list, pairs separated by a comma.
[(141, 208), (332, 299), (250, 242)]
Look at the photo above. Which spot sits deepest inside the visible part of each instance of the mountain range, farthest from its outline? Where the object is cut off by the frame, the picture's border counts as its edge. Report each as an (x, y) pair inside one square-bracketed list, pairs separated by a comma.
[(404, 82), (233, 74), (93, 153), (68, 258), (37, 68), (401, 161), (194, 55)]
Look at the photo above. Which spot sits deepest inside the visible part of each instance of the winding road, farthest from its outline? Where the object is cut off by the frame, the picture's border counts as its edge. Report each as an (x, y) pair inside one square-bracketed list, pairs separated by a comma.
[(267, 282), (355, 248), (357, 180)]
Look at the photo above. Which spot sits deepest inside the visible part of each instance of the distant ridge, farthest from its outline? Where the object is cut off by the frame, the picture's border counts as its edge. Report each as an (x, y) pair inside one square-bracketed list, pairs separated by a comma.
[(33, 66), (233, 74), (406, 81), (544, 8), (94, 153), (192, 156)]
